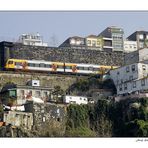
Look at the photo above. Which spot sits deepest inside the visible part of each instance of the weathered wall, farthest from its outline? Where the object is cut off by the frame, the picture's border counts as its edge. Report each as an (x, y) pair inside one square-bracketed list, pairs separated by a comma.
[(64, 55), (16, 118), (48, 119), (46, 81)]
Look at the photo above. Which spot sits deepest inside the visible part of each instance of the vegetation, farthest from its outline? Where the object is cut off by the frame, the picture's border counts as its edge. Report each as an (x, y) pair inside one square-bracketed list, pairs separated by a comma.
[(128, 118)]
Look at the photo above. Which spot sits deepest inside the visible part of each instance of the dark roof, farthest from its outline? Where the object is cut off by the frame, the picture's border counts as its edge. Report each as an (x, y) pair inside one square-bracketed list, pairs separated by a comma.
[(76, 37), (133, 35), (91, 36)]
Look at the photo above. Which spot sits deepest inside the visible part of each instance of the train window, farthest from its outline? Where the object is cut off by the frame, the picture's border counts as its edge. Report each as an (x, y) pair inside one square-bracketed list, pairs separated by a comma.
[(42, 65), (10, 62), (85, 68), (95, 69), (18, 63), (80, 68), (90, 68), (31, 64), (48, 66), (68, 67), (36, 65), (60, 66)]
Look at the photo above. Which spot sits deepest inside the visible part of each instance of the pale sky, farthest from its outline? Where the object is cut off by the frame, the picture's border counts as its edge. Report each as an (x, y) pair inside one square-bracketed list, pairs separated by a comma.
[(63, 24)]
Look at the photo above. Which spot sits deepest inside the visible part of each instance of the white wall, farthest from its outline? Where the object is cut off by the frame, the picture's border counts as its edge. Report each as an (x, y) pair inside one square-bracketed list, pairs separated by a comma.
[(75, 100), (130, 46), (133, 86), (124, 78), (126, 73)]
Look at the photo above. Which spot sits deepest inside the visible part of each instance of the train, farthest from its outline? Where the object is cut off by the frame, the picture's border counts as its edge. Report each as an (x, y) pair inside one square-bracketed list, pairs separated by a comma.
[(56, 67)]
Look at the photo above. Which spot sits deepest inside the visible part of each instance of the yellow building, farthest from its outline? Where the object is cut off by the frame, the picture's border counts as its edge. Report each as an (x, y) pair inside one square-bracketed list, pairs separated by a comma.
[(94, 41)]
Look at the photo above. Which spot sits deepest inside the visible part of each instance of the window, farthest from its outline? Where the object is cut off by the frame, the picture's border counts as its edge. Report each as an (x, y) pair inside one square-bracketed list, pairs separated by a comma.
[(36, 65), (141, 36), (127, 69), (134, 84), (38, 93), (125, 86), (42, 65), (120, 87), (95, 69), (45, 94), (68, 67), (10, 62), (90, 68), (89, 42), (130, 77), (133, 68), (31, 64), (12, 93), (60, 66), (98, 42), (22, 92), (47, 66), (143, 67), (93, 43), (80, 68), (85, 68), (143, 82), (18, 63)]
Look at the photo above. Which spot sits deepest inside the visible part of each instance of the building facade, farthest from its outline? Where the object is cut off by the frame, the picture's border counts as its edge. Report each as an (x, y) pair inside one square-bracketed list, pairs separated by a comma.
[(113, 38), (130, 78), (75, 99), (18, 119), (130, 46), (94, 42), (12, 95), (32, 39), (74, 42), (141, 37)]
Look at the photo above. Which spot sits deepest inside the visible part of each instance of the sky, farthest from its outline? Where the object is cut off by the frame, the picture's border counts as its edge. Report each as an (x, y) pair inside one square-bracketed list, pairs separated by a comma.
[(59, 25)]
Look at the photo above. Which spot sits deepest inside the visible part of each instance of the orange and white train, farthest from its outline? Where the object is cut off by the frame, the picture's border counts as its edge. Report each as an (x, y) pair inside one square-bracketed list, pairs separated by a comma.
[(56, 67)]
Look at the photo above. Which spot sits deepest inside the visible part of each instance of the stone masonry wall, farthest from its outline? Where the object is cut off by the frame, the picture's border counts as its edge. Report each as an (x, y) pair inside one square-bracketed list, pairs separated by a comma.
[(66, 55), (46, 81), (48, 119)]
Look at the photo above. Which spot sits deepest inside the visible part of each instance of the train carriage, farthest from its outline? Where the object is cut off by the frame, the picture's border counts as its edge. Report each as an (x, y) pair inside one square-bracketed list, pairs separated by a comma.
[(56, 67)]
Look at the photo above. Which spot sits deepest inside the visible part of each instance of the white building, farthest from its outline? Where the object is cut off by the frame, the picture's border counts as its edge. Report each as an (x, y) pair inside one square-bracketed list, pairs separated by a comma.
[(32, 39), (130, 78), (129, 72), (75, 99), (135, 86), (130, 46)]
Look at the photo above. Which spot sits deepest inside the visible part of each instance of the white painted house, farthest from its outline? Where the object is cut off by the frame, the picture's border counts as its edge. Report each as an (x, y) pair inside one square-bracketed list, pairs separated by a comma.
[(32, 39), (75, 99), (135, 86), (129, 72), (130, 78), (130, 46)]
